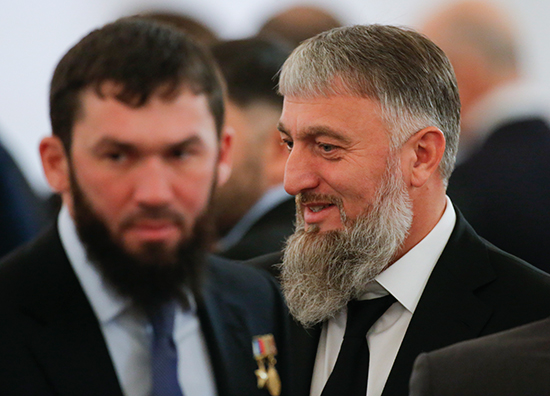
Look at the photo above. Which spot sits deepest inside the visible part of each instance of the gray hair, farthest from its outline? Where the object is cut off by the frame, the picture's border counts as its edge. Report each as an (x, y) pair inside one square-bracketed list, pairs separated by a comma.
[(408, 75)]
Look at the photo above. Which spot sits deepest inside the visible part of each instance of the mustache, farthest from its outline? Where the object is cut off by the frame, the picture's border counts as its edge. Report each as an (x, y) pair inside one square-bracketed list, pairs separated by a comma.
[(311, 197), (153, 213)]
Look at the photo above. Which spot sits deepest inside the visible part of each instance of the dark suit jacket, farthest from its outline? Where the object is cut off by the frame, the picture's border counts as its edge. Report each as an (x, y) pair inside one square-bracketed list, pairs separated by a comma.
[(503, 190), (475, 289), (51, 342), (22, 212), (512, 363), (267, 235)]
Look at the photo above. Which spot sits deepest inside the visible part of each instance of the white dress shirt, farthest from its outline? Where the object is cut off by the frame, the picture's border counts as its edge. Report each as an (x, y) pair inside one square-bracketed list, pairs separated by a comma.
[(405, 280), (128, 335)]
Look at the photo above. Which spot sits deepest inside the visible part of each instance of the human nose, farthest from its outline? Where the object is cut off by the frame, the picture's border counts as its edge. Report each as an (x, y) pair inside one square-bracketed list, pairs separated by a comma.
[(153, 186), (300, 172)]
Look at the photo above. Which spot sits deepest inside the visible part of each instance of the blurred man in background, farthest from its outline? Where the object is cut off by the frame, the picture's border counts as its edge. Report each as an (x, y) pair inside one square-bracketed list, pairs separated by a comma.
[(510, 363), (502, 181), (23, 213), (186, 23), (295, 24), (253, 214)]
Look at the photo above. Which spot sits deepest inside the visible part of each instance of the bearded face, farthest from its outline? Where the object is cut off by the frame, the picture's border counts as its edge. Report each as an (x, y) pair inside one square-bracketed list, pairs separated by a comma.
[(154, 275), (323, 271)]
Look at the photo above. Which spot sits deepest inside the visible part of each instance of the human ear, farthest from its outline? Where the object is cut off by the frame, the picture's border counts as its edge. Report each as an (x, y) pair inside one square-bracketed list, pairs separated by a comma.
[(422, 154), (225, 157), (55, 164)]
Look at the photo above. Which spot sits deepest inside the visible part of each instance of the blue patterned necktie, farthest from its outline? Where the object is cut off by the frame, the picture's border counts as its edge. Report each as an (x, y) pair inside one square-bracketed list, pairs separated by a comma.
[(164, 355)]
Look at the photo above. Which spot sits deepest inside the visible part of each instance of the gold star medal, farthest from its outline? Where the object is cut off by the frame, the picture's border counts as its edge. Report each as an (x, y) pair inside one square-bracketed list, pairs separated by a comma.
[(265, 350)]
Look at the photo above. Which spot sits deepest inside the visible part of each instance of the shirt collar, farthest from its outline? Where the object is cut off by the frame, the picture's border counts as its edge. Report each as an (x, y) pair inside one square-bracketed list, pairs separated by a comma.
[(406, 278), (105, 302)]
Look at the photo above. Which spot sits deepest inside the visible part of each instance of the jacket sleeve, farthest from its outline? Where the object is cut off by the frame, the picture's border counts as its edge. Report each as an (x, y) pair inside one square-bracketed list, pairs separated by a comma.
[(420, 382)]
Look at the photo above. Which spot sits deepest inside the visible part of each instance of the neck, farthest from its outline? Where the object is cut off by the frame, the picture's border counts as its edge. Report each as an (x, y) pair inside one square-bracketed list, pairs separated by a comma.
[(426, 215)]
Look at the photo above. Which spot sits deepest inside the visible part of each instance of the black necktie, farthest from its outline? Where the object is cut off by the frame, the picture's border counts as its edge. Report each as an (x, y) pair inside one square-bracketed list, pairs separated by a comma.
[(350, 373), (164, 355)]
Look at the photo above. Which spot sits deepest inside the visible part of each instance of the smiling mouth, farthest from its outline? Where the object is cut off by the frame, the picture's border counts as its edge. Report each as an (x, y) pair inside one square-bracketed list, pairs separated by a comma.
[(318, 208)]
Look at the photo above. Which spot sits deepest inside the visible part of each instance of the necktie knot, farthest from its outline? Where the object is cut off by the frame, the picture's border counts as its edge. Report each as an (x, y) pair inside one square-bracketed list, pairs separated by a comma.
[(364, 313), (162, 321), (350, 374)]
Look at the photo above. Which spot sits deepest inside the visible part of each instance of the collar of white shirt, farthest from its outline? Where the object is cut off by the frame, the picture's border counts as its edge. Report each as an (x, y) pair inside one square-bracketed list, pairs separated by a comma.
[(106, 304), (406, 278)]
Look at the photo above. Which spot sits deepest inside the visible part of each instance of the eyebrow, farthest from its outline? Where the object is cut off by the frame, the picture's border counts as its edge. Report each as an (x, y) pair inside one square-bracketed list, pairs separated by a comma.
[(127, 146), (317, 131)]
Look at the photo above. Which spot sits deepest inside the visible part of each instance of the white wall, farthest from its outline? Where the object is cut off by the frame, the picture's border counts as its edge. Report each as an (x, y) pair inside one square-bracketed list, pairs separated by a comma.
[(34, 34)]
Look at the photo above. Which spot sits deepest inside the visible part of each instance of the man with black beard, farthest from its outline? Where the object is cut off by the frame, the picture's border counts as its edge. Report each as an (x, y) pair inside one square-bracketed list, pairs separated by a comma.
[(120, 298), (381, 266)]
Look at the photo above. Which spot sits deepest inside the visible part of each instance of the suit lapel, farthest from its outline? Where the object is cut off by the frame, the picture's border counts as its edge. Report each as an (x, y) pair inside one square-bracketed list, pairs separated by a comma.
[(62, 330), (229, 342), (448, 311), (304, 351)]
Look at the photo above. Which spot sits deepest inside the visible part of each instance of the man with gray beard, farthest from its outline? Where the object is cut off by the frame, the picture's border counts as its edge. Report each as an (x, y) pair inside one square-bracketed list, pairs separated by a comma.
[(382, 266)]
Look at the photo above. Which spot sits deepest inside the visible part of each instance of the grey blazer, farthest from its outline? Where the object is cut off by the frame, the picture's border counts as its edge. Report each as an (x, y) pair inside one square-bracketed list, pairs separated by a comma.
[(511, 363)]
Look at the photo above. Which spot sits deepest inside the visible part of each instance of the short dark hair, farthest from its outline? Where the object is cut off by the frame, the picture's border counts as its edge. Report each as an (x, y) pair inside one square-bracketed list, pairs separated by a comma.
[(251, 67), (144, 58)]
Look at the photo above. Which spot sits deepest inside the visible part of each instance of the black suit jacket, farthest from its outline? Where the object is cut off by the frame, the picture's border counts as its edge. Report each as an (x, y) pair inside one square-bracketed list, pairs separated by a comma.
[(503, 190), (268, 233), (511, 363), (51, 342), (475, 289)]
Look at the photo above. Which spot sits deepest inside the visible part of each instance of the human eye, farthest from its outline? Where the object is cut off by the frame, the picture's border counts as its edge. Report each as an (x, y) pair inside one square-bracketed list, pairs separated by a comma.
[(185, 151), (115, 155), (285, 141), (327, 148), (178, 153)]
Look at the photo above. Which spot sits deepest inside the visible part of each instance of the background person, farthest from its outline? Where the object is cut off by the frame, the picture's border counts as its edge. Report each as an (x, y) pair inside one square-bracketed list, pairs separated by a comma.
[(502, 182), (253, 214), (510, 363)]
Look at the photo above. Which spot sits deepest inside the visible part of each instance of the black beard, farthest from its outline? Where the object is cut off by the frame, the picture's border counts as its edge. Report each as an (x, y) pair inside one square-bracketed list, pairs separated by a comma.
[(151, 278)]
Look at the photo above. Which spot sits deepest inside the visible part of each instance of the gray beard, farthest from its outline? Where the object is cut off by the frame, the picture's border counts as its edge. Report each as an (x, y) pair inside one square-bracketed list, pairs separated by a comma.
[(322, 271)]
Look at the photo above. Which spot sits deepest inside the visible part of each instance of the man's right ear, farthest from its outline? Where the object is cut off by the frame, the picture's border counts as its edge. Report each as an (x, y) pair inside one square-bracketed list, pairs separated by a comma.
[(55, 163)]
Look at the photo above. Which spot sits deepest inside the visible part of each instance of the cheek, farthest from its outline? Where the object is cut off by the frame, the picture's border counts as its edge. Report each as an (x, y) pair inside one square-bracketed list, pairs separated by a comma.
[(356, 189), (194, 190), (105, 193)]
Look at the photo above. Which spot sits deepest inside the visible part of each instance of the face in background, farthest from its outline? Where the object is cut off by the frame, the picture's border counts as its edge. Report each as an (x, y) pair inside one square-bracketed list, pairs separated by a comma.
[(145, 175), (247, 182), (353, 207)]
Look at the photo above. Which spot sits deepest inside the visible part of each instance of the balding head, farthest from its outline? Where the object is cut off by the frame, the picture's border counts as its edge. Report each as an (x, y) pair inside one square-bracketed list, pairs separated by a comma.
[(298, 23), (480, 41)]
